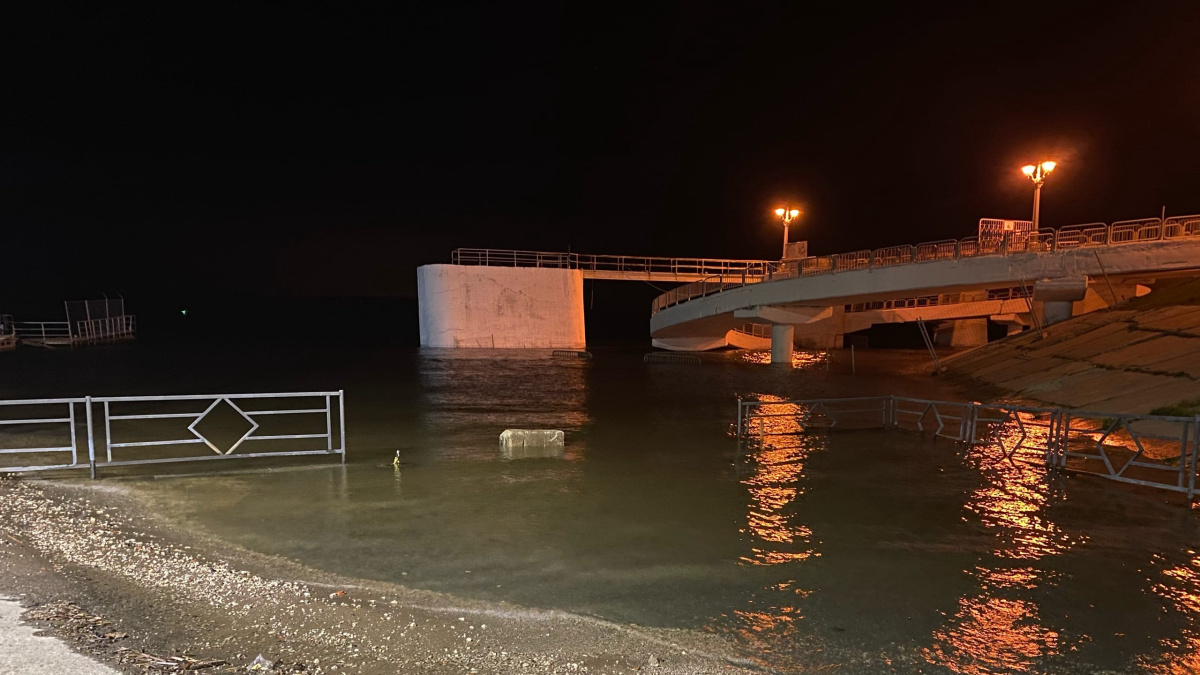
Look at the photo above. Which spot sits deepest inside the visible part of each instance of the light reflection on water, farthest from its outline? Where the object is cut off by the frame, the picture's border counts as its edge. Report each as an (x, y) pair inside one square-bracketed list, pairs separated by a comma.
[(1179, 588), (774, 535), (1000, 629), (801, 359), (778, 462)]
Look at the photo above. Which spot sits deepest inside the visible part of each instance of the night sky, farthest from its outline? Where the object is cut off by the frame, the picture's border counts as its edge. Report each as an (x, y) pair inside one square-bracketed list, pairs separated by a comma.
[(286, 153)]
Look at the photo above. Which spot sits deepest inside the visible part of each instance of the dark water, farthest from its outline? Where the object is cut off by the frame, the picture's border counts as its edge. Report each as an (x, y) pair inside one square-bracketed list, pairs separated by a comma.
[(880, 552)]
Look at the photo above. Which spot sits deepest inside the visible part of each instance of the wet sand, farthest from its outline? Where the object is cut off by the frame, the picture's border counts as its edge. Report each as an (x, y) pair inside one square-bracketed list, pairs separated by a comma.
[(176, 594)]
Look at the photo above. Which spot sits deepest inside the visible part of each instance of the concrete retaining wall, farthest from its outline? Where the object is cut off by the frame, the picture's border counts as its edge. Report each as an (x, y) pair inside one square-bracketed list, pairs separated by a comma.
[(500, 307)]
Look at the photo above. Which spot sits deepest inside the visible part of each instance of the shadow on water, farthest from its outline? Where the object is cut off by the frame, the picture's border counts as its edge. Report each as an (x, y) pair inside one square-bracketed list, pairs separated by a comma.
[(872, 551)]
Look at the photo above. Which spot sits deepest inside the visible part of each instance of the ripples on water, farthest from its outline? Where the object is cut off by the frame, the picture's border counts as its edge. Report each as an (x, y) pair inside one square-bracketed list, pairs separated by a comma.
[(861, 550)]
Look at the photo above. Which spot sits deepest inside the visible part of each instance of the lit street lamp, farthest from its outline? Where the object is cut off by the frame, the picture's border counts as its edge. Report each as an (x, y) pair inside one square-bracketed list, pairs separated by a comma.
[(1037, 174), (786, 216)]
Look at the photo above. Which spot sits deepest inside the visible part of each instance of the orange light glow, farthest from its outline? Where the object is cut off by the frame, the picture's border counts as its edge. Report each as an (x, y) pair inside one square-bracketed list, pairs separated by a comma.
[(780, 212), (1028, 169), (1047, 167), (796, 212), (779, 463)]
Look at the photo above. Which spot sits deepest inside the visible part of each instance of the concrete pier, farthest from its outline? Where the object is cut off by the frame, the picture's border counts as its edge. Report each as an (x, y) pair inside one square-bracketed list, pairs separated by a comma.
[(783, 338), (476, 306)]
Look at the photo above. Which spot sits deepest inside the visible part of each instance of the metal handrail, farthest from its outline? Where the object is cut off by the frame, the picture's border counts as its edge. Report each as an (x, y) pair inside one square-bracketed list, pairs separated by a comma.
[(1043, 240), (607, 263), (42, 330)]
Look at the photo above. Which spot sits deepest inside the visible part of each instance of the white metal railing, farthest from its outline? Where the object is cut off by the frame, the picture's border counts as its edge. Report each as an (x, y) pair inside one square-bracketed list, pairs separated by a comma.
[(1044, 240), (758, 330), (104, 330), (33, 409), (145, 439), (608, 263), (42, 331), (83, 332)]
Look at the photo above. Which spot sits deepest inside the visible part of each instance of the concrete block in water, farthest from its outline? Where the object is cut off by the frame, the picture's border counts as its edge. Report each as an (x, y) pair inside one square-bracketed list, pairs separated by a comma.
[(531, 443)]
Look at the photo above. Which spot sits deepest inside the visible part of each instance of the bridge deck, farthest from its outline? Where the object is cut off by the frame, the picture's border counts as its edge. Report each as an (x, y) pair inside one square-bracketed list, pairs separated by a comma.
[(1089, 239)]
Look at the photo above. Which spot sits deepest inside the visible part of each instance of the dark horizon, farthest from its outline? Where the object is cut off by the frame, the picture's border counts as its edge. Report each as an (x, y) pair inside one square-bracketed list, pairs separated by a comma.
[(181, 155)]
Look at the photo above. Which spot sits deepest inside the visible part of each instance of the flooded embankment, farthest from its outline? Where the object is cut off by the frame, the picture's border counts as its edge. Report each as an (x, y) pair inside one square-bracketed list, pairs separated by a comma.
[(652, 534), (173, 601), (1138, 357)]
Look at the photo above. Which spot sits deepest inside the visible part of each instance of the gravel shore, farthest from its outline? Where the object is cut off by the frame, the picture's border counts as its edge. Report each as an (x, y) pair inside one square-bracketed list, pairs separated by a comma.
[(134, 592)]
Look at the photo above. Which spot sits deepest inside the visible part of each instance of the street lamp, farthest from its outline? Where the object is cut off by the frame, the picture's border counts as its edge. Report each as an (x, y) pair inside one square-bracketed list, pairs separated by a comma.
[(1037, 174), (786, 216)]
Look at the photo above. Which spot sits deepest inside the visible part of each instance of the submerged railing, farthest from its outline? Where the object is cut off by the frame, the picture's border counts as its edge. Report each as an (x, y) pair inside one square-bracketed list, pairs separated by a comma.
[(136, 430), (1157, 451), (1044, 240)]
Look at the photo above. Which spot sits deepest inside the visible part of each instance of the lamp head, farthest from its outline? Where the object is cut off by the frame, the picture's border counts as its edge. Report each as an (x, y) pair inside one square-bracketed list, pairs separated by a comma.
[(1028, 169), (780, 212), (794, 212), (1047, 167)]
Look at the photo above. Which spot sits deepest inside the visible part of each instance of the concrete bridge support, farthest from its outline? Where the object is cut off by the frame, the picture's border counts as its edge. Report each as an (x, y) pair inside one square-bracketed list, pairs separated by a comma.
[(783, 338), (477, 306)]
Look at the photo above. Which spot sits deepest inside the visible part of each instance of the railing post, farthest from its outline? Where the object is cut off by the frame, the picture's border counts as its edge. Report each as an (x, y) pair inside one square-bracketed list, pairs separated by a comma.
[(328, 424), (342, 420), (91, 436), (107, 434), (1064, 436), (739, 417), (74, 441), (1195, 459)]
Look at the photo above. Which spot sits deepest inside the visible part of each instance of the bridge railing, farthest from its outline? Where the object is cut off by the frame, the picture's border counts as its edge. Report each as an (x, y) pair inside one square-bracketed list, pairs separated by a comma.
[(626, 264), (1044, 240)]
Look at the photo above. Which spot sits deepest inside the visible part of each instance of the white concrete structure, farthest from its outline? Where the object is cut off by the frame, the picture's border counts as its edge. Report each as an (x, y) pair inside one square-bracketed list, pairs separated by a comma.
[(815, 305), (500, 307)]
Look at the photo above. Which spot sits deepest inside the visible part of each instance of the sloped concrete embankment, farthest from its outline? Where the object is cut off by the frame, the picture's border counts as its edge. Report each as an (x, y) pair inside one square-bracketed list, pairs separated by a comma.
[(1132, 359)]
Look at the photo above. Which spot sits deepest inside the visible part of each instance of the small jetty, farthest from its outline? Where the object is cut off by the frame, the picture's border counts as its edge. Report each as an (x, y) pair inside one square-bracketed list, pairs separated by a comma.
[(88, 322)]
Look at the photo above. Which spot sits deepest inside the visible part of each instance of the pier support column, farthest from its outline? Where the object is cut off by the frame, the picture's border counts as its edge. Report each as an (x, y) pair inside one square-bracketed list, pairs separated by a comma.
[(783, 337)]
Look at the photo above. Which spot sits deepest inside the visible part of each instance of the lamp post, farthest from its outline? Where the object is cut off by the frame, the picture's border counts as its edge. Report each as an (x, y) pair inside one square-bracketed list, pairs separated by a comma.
[(786, 216), (1037, 174)]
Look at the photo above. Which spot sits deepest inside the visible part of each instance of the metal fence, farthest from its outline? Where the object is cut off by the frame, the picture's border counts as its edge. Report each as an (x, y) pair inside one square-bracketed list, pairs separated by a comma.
[(1044, 240), (105, 330), (137, 430), (43, 431), (617, 264), (89, 310), (1156, 451)]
